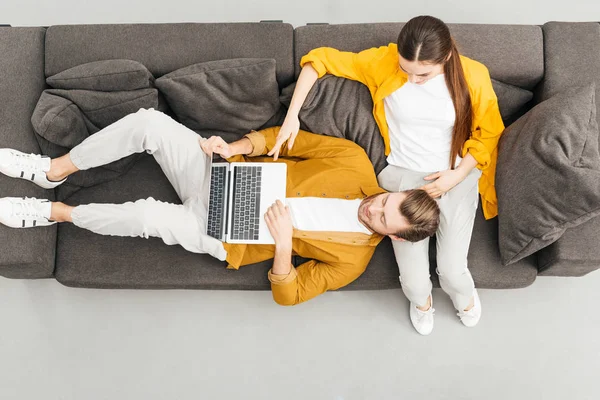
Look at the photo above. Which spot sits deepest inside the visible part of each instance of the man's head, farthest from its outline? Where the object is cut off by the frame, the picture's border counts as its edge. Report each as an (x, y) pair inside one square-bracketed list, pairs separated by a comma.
[(411, 215)]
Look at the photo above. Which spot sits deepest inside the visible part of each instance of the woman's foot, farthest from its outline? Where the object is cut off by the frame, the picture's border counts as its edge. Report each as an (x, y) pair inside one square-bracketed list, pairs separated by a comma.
[(25, 212), (422, 317), (471, 315), (32, 167)]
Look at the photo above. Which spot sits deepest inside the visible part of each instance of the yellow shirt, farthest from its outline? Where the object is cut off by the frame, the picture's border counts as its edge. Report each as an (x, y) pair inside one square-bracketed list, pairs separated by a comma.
[(379, 69), (318, 166)]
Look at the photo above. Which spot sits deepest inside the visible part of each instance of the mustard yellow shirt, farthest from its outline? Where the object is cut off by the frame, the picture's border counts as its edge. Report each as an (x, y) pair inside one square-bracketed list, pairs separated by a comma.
[(318, 166), (379, 69)]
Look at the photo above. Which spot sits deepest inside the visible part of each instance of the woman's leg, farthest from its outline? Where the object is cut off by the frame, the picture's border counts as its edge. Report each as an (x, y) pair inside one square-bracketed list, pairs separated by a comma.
[(457, 216), (412, 258)]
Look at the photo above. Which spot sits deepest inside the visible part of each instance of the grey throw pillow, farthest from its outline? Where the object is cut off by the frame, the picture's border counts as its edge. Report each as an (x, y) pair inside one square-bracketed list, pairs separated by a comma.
[(511, 100), (548, 173), (235, 95), (342, 108), (106, 76)]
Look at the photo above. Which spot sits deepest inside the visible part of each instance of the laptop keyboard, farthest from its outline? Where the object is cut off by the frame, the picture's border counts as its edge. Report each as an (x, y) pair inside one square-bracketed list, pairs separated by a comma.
[(216, 202), (246, 202)]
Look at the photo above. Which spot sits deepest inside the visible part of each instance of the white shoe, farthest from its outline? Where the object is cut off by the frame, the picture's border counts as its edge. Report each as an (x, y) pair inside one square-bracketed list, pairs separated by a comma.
[(422, 320), (32, 167), (471, 318), (25, 212)]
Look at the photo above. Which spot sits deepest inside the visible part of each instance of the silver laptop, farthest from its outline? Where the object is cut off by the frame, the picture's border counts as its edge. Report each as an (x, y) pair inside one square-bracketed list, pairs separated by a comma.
[(239, 196)]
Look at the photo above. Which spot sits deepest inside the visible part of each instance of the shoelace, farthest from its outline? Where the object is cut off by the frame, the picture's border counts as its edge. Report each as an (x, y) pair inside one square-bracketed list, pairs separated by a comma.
[(27, 209), (28, 161), (422, 314)]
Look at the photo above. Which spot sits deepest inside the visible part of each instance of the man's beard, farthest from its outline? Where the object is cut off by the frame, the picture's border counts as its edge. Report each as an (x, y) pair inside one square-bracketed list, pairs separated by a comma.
[(366, 202)]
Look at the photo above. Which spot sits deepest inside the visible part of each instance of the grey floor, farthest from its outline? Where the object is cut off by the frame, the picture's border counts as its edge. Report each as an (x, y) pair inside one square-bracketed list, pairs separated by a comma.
[(542, 342)]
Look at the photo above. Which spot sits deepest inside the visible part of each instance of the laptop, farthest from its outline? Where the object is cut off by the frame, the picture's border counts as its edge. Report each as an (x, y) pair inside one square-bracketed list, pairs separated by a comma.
[(239, 196)]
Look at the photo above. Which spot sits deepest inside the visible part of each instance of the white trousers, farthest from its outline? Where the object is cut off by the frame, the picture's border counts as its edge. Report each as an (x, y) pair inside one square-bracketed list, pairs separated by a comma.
[(178, 152), (457, 215)]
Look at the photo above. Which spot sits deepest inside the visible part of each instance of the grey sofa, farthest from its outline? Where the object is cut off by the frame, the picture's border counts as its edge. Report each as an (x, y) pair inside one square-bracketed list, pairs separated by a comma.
[(528, 57)]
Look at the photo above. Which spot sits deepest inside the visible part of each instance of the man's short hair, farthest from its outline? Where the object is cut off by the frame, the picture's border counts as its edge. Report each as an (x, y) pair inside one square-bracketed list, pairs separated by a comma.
[(422, 214)]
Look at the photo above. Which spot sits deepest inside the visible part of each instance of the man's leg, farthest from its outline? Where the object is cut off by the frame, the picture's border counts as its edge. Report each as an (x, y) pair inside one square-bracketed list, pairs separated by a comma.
[(174, 146), (173, 223)]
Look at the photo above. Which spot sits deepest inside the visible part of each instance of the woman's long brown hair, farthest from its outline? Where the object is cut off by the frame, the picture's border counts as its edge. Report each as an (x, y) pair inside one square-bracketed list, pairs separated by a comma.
[(427, 39)]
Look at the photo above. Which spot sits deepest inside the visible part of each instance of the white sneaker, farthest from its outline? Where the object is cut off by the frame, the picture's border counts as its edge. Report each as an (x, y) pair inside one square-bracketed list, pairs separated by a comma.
[(25, 212), (422, 320), (471, 318), (32, 167)]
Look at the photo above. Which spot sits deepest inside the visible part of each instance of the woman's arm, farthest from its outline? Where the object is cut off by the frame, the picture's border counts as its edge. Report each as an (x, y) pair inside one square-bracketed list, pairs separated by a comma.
[(291, 124)]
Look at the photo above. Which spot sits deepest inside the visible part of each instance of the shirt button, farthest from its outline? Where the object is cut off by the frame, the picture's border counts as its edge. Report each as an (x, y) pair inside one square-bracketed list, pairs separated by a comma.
[(323, 194), (298, 194), (347, 197)]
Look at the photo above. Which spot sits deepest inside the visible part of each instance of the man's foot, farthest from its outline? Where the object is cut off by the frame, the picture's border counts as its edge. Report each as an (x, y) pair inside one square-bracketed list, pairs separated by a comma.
[(25, 212), (422, 320), (32, 167), (471, 318)]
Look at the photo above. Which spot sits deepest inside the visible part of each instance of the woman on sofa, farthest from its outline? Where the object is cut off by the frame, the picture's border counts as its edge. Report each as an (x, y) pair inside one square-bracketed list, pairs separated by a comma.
[(440, 121)]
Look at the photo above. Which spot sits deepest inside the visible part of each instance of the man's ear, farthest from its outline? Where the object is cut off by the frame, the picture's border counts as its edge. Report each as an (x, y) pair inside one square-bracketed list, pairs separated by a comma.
[(398, 238)]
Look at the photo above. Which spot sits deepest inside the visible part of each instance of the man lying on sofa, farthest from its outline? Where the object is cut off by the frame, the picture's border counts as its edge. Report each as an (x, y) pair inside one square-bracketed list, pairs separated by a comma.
[(339, 215)]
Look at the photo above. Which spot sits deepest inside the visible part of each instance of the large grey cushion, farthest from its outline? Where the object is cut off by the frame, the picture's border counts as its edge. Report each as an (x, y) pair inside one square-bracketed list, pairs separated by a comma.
[(106, 75), (548, 174), (64, 118), (511, 100), (235, 95), (342, 108)]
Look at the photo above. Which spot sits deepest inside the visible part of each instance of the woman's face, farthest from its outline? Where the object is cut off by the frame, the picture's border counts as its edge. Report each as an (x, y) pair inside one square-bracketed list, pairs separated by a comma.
[(420, 72)]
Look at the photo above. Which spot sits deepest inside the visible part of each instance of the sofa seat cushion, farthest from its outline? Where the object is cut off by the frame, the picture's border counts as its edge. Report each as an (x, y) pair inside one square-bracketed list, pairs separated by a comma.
[(86, 259), (484, 263)]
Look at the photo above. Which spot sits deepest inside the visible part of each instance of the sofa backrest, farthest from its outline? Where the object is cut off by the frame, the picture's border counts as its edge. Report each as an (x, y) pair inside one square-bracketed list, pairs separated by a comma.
[(513, 53), (163, 48), (572, 57)]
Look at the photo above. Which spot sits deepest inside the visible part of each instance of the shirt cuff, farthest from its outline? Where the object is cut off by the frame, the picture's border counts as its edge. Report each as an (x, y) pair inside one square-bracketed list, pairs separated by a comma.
[(479, 153), (258, 143), (316, 64), (282, 279)]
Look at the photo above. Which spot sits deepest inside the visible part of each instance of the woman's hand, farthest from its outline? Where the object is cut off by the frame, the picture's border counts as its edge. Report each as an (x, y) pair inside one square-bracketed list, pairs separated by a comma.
[(288, 131), (444, 181), (216, 144)]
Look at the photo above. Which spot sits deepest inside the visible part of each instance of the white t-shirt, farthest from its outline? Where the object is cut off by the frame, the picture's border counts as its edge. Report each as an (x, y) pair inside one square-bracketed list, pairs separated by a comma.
[(325, 215), (420, 119)]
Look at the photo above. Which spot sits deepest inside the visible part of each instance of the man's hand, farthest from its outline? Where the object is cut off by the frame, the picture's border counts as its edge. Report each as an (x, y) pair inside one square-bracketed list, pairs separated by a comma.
[(289, 130), (444, 181), (216, 144), (279, 223)]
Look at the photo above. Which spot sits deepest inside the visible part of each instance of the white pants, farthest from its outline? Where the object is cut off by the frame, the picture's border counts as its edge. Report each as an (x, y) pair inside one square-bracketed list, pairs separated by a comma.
[(178, 152), (457, 215)]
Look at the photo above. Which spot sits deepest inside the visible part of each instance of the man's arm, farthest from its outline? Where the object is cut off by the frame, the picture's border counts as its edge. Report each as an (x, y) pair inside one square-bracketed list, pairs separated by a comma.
[(314, 278), (292, 286), (217, 145)]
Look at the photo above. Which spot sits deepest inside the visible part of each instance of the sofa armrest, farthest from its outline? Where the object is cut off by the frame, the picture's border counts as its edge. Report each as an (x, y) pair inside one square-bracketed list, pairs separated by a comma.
[(24, 253), (576, 253)]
